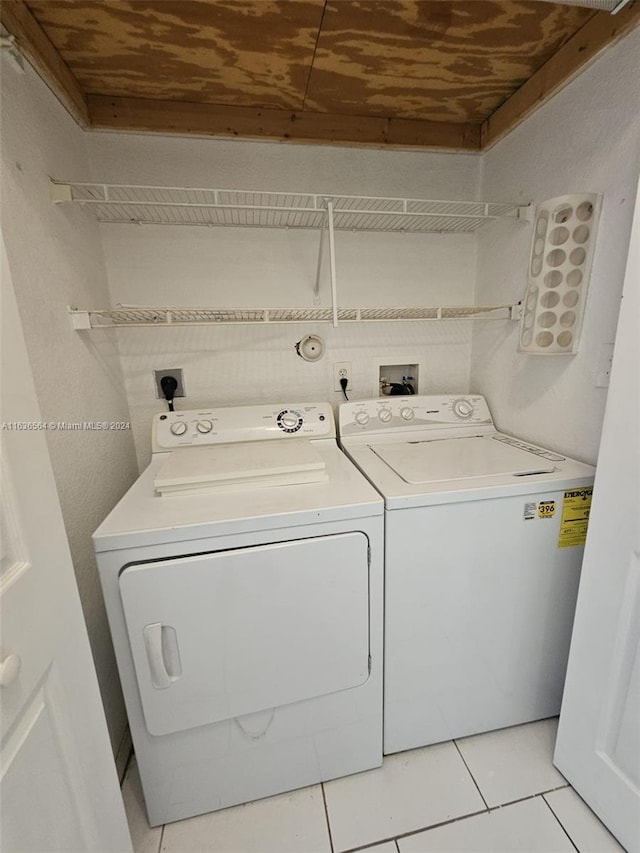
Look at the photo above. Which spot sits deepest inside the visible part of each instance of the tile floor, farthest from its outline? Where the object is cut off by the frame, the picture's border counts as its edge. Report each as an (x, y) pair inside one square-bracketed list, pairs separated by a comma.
[(492, 793)]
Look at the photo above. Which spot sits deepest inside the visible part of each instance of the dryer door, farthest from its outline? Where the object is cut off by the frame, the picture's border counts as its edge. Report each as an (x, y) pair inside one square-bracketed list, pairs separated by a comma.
[(221, 635)]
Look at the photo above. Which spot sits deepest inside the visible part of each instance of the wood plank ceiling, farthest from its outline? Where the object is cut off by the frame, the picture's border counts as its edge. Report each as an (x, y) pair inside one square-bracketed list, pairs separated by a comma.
[(451, 74)]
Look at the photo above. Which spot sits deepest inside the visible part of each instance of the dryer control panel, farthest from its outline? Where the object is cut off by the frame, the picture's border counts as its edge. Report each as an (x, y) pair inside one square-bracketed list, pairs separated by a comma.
[(415, 413), (197, 427)]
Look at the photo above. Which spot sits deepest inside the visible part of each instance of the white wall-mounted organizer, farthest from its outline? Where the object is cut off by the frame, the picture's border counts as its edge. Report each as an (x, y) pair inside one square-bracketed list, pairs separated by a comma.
[(562, 249), (120, 203)]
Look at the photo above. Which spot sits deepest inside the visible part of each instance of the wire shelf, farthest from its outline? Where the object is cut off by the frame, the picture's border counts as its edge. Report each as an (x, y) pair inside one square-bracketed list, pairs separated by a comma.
[(126, 203), (165, 317)]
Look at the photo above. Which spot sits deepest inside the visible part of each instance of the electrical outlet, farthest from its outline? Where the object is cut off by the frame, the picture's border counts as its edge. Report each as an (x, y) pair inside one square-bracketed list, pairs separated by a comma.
[(341, 370), (176, 372)]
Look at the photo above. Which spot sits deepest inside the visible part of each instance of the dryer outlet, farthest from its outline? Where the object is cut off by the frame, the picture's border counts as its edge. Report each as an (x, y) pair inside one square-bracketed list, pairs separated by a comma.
[(158, 376)]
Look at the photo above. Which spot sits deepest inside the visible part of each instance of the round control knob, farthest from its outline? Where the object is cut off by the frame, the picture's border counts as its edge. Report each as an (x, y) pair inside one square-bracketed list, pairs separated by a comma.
[(463, 408), (362, 418), (9, 670), (204, 426), (178, 428), (289, 420), (385, 415), (407, 413)]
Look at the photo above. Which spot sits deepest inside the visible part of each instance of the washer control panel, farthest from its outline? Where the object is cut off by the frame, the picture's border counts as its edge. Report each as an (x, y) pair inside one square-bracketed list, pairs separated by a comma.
[(196, 427), (414, 412)]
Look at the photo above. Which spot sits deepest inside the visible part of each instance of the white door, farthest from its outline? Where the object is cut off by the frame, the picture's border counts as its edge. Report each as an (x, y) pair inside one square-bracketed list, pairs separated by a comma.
[(598, 747), (59, 789)]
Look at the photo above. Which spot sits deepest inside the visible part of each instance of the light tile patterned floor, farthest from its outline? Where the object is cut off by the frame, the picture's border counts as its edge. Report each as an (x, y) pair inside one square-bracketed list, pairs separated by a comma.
[(492, 793)]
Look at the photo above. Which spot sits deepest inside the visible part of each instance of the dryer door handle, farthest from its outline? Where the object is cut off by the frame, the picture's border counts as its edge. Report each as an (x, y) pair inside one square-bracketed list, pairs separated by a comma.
[(161, 644)]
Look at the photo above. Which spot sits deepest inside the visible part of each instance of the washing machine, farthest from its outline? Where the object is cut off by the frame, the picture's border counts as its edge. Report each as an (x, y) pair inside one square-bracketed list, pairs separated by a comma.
[(484, 537), (242, 575)]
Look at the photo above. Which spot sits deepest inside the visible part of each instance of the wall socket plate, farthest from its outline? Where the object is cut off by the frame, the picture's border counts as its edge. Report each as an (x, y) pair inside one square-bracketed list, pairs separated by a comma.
[(341, 370), (176, 372)]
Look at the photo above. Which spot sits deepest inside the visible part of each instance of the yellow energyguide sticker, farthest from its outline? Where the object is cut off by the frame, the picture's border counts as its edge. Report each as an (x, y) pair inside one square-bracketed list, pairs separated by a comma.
[(576, 507), (546, 509)]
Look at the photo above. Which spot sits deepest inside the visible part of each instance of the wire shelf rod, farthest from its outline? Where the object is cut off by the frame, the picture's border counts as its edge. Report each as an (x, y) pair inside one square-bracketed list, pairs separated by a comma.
[(150, 317)]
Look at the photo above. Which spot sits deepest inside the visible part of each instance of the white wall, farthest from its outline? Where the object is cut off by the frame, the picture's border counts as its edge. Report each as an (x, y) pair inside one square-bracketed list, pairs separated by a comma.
[(586, 139), (227, 267), (56, 260)]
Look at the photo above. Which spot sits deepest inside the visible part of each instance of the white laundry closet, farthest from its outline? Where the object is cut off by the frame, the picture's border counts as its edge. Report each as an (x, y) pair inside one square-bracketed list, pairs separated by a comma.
[(585, 139)]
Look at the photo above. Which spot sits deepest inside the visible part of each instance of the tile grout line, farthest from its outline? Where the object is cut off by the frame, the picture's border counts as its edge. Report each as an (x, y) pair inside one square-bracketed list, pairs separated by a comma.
[(455, 743), (527, 797), (548, 805), (488, 810), (326, 814), (395, 838), (161, 838)]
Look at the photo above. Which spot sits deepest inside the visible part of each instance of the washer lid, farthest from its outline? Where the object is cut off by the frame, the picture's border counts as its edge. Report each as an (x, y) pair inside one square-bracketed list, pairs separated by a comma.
[(218, 466), (459, 459)]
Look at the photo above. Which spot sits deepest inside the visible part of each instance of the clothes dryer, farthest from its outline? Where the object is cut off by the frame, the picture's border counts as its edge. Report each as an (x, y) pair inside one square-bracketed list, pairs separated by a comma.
[(242, 575)]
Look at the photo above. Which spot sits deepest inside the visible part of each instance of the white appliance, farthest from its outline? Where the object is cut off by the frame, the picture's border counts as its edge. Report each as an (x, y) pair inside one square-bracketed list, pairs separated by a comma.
[(245, 605), (484, 538)]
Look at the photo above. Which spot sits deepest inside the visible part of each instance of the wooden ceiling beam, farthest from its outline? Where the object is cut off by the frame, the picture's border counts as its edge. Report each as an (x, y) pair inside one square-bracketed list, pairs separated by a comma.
[(161, 116), (601, 31), (36, 46)]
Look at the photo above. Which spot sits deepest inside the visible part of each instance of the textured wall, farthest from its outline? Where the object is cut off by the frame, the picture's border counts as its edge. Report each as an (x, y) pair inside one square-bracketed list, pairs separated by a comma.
[(56, 260), (160, 265), (244, 365), (586, 139)]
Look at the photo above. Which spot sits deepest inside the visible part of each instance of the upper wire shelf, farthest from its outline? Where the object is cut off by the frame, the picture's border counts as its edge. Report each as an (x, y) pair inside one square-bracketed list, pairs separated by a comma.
[(162, 317), (127, 203)]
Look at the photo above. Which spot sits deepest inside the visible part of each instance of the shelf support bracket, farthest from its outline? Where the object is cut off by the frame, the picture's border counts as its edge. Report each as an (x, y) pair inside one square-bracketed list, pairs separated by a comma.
[(59, 193), (332, 263), (79, 319)]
